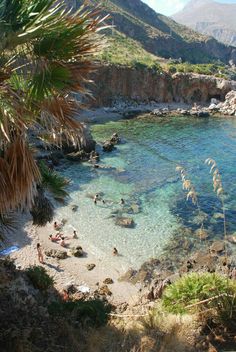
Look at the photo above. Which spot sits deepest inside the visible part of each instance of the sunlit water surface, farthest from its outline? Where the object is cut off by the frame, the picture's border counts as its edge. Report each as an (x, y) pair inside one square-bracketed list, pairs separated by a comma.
[(142, 171)]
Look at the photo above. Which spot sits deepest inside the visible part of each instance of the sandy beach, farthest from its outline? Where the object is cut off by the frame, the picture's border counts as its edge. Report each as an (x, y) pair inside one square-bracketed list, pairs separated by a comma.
[(71, 270)]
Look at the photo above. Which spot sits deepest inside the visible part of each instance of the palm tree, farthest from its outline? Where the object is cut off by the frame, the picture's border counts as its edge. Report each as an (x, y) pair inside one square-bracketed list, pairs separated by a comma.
[(46, 53)]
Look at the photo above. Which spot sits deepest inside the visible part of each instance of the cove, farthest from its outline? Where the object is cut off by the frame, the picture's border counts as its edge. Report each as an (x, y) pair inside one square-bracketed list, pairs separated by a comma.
[(142, 171)]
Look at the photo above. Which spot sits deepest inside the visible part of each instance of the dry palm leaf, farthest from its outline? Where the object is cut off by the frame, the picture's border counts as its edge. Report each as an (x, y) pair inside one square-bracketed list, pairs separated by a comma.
[(23, 171)]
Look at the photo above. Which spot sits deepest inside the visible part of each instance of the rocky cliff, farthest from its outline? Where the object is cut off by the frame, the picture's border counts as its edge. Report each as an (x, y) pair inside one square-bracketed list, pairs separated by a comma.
[(116, 83)]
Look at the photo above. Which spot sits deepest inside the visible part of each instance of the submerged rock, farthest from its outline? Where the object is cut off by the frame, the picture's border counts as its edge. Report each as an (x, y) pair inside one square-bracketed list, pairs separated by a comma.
[(128, 275), (124, 222), (217, 247), (74, 207), (202, 234), (232, 239), (218, 216)]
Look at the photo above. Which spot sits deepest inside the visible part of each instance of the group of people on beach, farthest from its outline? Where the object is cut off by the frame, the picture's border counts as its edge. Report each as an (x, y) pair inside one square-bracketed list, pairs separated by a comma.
[(59, 237)]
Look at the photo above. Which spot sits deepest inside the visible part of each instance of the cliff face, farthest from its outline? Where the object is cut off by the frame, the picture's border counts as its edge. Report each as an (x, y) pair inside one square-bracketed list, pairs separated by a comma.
[(113, 83)]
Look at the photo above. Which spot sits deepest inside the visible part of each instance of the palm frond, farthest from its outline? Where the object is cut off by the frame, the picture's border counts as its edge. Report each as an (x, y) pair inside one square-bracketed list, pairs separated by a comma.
[(53, 182), (46, 52), (23, 171)]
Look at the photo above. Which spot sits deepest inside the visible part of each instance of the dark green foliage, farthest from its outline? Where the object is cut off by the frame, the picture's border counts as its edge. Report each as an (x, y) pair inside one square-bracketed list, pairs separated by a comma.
[(90, 313), (195, 288), (205, 69), (42, 209), (39, 277), (53, 181)]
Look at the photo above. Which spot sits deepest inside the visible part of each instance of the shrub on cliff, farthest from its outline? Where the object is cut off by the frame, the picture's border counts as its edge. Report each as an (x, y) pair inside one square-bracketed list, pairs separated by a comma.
[(199, 292), (89, 313), (39, 277)]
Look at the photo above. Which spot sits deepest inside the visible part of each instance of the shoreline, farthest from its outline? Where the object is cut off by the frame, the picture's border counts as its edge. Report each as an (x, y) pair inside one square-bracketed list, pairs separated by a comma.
[(72, 270)]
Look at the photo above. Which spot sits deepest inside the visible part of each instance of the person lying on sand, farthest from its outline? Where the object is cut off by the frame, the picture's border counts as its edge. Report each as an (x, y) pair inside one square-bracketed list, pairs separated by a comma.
[(55, 238), (62, 242)]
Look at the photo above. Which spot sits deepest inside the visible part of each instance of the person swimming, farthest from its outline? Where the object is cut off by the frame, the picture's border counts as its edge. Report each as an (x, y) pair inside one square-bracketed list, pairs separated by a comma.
[(122, 201), (115, 251)]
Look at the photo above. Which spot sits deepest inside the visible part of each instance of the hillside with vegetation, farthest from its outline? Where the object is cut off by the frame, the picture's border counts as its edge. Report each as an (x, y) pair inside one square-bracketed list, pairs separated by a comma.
[(160, 35)]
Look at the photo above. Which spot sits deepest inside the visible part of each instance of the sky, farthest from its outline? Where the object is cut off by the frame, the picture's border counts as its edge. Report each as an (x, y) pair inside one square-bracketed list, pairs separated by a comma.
[(169, 7)]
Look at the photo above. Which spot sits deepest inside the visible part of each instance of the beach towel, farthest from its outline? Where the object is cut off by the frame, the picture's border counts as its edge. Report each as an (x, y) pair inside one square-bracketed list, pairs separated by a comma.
[(9, 250)]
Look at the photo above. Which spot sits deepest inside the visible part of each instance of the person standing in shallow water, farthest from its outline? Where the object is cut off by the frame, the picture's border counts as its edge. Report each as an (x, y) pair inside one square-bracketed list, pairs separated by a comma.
[(95, 199), (40, 253)]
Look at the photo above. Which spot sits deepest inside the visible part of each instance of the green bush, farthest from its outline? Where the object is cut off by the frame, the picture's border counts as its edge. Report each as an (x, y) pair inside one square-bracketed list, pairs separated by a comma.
[(89, 313), (195, 288), (205, 69), (39, 277)]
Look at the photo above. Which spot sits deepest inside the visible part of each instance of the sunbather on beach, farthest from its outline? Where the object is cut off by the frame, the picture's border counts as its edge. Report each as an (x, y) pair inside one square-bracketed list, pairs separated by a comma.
[(74, 234), (55, 238), (62, 242)]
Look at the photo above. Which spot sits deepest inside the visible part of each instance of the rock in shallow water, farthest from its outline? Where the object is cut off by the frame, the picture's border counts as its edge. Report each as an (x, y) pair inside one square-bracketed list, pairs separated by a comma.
[(125, 222), (202, 234), (217, 247), (108, 146)]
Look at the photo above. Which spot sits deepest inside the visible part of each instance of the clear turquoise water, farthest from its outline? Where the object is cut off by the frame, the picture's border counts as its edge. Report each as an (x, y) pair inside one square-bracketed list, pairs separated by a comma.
[(142, 171)]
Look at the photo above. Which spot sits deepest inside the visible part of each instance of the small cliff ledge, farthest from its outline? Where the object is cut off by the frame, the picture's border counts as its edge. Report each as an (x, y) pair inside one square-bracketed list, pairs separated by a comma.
[(120, 83)]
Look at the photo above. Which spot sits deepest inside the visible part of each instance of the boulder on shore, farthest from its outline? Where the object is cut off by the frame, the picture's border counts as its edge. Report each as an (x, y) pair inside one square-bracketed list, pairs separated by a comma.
[(56, 253), (77, 251), (90, 266)]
